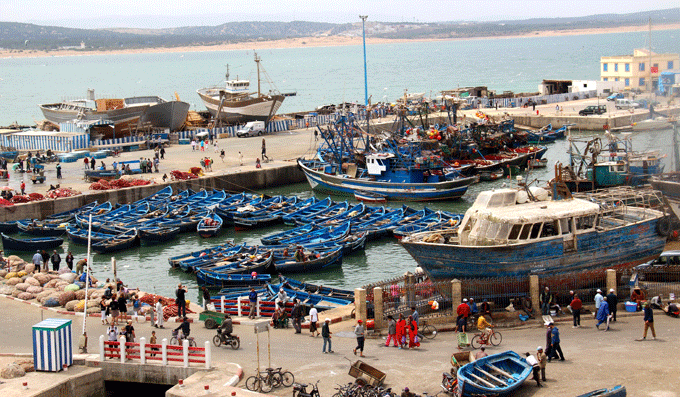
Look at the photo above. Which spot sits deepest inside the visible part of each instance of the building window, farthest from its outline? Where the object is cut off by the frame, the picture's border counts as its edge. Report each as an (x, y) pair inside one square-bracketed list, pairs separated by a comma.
[(606, 79), (616, 67), (642, 66), (627, 67), (670, 65), (642, 82), (627, 82), (604, 67)]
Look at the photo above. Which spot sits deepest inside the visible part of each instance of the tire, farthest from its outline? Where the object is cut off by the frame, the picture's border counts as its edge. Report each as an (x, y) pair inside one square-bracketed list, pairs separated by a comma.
[(253, 383), (663, 226), (266, 385), (496, 339), (210, 323), (288, 378), (217, 341), (192, 343), (235, 344), (476, 342), (259, 133), (277, 380), (173, 341), (429, 331)]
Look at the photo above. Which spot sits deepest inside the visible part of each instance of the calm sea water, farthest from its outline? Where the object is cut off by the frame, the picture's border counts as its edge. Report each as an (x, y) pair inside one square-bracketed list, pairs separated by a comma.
[(319, 75)]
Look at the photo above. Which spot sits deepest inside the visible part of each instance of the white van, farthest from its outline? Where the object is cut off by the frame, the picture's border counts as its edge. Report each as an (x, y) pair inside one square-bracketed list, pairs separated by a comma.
[(625, 103), (251, 128)]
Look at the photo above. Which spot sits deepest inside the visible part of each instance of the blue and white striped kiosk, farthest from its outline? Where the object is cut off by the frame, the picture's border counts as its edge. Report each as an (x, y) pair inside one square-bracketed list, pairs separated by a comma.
[(52, 344)]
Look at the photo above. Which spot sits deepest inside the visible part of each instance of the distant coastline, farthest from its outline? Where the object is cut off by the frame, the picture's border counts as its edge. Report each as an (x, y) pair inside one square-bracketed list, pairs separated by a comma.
[(330, 41)]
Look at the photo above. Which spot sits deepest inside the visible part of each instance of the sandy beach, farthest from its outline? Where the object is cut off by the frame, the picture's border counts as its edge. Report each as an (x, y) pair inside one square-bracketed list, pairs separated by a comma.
[(329, 41)]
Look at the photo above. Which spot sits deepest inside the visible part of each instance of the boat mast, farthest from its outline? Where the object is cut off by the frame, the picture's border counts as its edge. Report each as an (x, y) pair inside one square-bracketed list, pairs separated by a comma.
[(257, 62), (651, 86)]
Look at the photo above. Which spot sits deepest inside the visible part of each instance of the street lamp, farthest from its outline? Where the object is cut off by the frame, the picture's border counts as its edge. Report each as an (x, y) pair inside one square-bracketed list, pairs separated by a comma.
[(363, 29)]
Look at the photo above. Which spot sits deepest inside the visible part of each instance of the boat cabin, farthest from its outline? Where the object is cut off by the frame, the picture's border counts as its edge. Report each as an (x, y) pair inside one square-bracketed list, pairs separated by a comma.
[(387, 167), (505, 216), (237, 87)]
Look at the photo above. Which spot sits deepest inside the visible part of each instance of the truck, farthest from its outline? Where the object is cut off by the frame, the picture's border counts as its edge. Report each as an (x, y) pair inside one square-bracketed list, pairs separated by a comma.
[(251, 128)]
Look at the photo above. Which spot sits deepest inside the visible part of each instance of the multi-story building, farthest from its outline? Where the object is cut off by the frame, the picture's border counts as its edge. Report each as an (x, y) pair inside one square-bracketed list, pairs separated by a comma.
[(636, 71)]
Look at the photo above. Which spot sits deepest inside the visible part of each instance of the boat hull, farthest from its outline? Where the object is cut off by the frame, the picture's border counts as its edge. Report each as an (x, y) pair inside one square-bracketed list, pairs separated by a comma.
[(509, 362), (389, 190), (619, 248), (261, 108), (30, 245), (171, 115)]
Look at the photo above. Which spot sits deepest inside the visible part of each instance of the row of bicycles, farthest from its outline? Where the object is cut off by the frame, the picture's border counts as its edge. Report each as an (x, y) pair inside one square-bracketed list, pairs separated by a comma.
[(269, 379)]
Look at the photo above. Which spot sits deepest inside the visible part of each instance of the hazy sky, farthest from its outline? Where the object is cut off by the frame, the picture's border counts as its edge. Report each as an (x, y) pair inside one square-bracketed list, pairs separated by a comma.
[(174, 13)]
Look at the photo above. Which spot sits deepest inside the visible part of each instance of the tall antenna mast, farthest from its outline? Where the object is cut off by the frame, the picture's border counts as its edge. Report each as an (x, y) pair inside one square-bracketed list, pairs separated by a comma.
[(651, 86)]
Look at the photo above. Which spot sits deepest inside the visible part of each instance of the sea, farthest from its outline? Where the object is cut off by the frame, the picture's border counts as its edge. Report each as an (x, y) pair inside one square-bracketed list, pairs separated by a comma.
[(319, 75)]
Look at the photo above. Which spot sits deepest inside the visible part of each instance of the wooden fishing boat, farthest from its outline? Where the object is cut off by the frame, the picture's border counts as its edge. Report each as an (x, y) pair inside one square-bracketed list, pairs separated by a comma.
[(220, 253), (289, 219), (160, 196), (491, 175), (229, 206), (80, 235), (155, 234), (495, 375), (242, 281), (30, 244), (321, 215), (321, 261), (261, 263), (9, 227), (370, 197), (443, 220), (276, 238), (209, 226), (185, 224), (616, 391), (36, 228), (176, 260), (329, 233), (227, 260), (120, 242), (310, 298), (298, 285)]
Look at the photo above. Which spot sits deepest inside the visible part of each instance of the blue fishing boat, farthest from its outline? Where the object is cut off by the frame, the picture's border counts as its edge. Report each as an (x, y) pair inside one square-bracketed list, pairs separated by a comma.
[(616, 391), (352, 242), (229, 259), (329, 233), (275, 238), (219, 253), (495, 375), (268, 213), (120, 242), (323, 214), (319, 300), (228, 207), (209, 226), (155, 234), (160, 196), (353, 213), (31, 244), (10, 155), (370, 197), (242, 282), (35, 228), (382, 226), (505, 234), (9, 227), (176, 260), (80, 235), (186, 224), (261, 263), (437, 221), (289, 219), (298, 285), (316, 262)]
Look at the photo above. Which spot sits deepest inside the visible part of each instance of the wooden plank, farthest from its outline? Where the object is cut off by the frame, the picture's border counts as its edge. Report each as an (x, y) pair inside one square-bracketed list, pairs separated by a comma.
[(479, 378), (501, 381), (500, 371)]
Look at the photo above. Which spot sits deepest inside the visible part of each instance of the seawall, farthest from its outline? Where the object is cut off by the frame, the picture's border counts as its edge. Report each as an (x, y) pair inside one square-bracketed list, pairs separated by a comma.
[(234, 182)]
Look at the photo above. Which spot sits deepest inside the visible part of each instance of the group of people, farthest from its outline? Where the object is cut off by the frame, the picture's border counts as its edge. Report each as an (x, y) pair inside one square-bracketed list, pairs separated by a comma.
[(148, 166), (207, 163), (42, 259), (403, 332)]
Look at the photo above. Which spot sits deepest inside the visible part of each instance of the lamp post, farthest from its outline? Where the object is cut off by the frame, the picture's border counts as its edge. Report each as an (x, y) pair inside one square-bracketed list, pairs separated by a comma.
[(363, 29)]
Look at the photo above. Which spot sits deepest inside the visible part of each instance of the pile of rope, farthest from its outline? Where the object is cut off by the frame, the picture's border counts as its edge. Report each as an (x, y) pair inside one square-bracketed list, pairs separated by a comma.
[(62, 192), (103, 184), (182, 176)]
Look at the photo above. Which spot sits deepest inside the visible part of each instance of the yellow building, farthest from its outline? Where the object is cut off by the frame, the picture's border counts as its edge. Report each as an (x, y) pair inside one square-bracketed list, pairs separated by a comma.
[(635, 70)]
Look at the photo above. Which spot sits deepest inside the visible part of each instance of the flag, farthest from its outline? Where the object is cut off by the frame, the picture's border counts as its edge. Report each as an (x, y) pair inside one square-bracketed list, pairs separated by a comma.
[(655, 69)]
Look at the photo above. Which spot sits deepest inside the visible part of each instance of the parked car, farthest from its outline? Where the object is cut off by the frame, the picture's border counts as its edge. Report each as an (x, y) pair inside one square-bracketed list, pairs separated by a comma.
[(664, 268), (594, 109), (251, 128), (615, 96), (626, 104)]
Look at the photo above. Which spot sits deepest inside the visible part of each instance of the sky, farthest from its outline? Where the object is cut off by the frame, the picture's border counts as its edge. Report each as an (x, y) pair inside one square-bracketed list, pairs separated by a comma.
[(175, 13)]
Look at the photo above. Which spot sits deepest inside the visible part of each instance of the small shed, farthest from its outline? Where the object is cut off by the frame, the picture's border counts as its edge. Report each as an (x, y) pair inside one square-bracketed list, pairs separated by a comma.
[(52, 344)]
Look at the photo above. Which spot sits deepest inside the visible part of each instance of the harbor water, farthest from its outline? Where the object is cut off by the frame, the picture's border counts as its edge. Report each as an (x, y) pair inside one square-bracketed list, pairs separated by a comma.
[(146, 267), (319, 75)]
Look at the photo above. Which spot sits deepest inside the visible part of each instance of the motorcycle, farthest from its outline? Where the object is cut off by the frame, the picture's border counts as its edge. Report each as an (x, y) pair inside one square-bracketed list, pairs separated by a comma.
[(220, 339), (449, 383), (300, 390)]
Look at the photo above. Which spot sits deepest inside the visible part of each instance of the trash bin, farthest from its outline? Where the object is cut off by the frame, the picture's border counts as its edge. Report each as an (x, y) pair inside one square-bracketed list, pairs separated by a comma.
[(52, 344)]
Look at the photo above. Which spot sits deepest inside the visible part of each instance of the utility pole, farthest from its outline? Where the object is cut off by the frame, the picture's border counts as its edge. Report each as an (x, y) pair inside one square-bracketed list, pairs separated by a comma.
[(363, 29)]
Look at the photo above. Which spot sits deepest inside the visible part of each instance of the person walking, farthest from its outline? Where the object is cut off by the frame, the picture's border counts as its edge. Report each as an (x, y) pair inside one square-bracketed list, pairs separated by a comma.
[(603, 314), (555, 350), (113, 309), (181, 300), (391, 331), (613, 301), (531, 360), (252, 299), (193, 145), (37, 261), (313, 320), (222, 155), (122, 306), (86, 161), (598, 301), (206, 298), (264, 151), (576, 306), (56, 260), (162, 151), (23, 188), (326, 334), (548, 340), (412, 326), (542, 361), (297, 315), (58, 171), (159, 314), (401, 331), (69, 260), (240, 158), (93, 162), (649, 321), (463, 312), (359, 333)]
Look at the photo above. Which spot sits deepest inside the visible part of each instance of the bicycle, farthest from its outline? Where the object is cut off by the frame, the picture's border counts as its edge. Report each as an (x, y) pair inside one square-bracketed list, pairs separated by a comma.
[(493, 338), (264, 381), (286, 377), (175, 339), (426, 330)]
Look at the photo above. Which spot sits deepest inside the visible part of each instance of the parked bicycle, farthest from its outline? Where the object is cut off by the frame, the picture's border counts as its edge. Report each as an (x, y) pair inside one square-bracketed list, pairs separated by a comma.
[(426, 330), (493, 338), (270, 378)]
